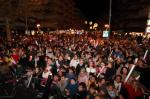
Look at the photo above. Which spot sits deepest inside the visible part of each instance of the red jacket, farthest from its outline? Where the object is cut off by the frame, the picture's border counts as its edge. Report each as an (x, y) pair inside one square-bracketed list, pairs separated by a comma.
[(132, 92)]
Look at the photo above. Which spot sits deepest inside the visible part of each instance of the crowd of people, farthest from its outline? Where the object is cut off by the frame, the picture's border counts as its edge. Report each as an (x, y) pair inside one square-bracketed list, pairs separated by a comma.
[(78, 66)]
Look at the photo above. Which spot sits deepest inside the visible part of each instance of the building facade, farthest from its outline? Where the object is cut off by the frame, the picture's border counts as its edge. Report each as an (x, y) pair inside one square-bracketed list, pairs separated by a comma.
[(131, 15), (50, 14)]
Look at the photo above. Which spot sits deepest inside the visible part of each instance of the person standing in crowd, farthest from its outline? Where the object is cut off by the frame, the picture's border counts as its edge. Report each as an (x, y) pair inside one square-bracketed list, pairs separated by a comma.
[(124, 71), (91, 68), (73, 66), (55, 92), (71, 73), (60, 62), (83, 77), (118, 83), (92, 92), (111, 91), (80, 66), (71, 88), (110, 72), (62, 84), (82, 91), (74, 62)]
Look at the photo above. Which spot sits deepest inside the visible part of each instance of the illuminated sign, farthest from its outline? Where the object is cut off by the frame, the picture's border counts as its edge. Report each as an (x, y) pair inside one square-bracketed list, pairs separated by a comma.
[(105, 33)]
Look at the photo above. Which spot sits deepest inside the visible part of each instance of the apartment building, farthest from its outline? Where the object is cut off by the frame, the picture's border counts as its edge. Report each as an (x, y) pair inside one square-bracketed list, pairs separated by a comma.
[(50, 14), (131, 15)]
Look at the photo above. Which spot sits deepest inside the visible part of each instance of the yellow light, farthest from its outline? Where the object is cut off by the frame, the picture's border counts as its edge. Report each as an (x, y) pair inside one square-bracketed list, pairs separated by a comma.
[(95, 24), (91, 27)]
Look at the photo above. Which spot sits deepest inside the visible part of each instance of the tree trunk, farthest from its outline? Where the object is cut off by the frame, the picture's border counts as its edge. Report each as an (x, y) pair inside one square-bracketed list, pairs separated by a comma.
[(8, 30)]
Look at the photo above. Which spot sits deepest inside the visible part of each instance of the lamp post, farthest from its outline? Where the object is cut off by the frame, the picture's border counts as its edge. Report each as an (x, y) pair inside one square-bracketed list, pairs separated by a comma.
[(38, 27), (86, 23), (110, 12)]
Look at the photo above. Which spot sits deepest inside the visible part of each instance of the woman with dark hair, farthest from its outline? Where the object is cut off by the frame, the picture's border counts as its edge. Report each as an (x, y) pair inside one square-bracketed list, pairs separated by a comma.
[(110, 72), (91, 68), (118, 83), (124, 72)]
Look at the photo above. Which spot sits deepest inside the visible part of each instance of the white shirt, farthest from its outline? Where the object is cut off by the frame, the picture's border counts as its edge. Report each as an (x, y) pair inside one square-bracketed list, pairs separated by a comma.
[(74, 63), (45, 75), (117, 86), (91, 70)]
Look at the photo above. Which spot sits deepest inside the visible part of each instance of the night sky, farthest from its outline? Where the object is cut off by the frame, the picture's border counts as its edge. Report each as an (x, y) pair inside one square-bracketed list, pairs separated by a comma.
[(95, 9)]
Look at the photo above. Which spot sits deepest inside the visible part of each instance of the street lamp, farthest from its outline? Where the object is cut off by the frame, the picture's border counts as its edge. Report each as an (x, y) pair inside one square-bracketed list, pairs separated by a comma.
[(107, 26), (38, 27)]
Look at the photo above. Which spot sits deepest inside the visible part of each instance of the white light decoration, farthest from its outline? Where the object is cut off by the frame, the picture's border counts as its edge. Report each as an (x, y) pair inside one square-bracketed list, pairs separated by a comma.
[(90, 22), (32, 32), (38, 25), (106, 26), (86, 22)]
